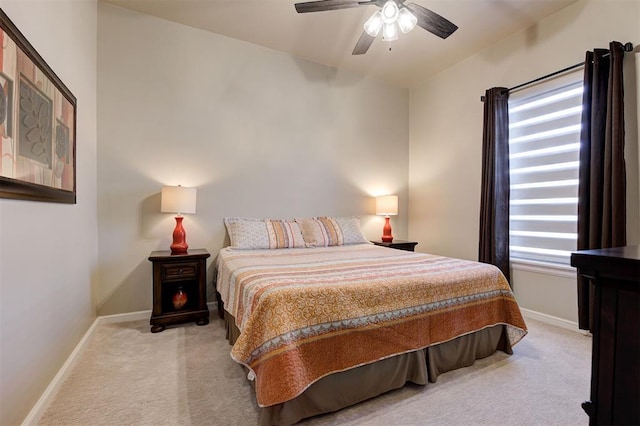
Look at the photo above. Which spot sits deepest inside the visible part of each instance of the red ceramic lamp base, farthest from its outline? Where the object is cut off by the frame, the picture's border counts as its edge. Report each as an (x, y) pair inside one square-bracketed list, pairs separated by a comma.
[(179, 245), (386, 231)]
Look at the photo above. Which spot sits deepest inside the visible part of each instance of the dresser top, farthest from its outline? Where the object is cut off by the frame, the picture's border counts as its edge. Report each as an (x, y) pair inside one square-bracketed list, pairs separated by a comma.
[(617, 262), (626, 252)]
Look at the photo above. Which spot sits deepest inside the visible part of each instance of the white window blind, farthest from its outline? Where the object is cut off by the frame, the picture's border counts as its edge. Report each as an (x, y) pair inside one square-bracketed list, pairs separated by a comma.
[(544, 144)]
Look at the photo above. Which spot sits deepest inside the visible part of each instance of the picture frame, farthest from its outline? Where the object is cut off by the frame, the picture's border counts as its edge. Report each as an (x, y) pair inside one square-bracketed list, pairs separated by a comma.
[(37, 124)]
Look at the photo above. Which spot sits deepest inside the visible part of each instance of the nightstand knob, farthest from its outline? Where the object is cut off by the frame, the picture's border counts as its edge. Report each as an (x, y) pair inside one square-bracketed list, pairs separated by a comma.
[(180, 271)]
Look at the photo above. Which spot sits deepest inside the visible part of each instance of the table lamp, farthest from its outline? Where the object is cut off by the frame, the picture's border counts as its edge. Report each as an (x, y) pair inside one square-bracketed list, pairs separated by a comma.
[(387, 205), (178, 199)]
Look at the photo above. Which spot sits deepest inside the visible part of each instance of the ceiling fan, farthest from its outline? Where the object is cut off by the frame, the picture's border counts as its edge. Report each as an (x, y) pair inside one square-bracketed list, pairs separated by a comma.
[(393, 15)]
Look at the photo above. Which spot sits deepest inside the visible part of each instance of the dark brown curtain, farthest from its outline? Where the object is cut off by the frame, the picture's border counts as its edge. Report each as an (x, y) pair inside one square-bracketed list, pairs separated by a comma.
[(602, 179), (494, 202)]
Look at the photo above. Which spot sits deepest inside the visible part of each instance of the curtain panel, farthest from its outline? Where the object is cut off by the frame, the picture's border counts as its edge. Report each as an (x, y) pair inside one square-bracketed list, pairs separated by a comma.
[(494, 203), (602, 176)]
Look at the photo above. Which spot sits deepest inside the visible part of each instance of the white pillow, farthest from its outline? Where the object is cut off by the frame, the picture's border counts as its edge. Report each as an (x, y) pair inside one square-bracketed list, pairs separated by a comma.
[(351, 232)]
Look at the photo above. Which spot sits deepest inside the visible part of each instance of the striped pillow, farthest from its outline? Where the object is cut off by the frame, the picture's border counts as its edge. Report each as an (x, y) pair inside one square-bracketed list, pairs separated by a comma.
[(331, 231), (315, 233), (284, 234), (321, 231), (263, 234)]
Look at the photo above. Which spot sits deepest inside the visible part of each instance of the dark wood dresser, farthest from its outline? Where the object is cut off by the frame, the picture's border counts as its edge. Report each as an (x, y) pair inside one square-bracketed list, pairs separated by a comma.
[(615, 375)]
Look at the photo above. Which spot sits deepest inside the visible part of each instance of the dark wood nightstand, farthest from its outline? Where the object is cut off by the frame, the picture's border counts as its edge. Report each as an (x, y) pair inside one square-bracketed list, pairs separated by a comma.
[(398, 244), (179, 288)]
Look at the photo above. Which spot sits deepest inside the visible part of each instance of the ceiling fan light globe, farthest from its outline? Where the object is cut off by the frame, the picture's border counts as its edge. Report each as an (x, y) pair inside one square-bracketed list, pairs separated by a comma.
[(373, 24), (389, 12), (406, 20), (389, 32)]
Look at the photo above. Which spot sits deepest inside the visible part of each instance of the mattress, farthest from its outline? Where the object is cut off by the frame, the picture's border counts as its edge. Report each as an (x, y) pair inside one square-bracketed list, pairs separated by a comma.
[(305, 314)]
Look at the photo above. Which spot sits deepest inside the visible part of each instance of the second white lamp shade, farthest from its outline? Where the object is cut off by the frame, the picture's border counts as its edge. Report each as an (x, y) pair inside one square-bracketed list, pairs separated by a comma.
[(387, 205)]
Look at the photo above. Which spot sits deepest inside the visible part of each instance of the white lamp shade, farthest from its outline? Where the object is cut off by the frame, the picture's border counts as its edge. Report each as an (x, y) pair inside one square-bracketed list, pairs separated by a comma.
[(406, 20), (389, 32), (389, 12), (387, 205), (178, 199), (373, 24)]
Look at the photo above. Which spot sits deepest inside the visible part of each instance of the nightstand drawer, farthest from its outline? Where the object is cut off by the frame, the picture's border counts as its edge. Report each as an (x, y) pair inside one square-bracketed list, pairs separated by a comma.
[(179, 271)]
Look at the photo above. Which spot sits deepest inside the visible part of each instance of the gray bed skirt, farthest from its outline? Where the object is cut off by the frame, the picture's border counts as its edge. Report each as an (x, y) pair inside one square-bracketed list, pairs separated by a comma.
[(350, 387)]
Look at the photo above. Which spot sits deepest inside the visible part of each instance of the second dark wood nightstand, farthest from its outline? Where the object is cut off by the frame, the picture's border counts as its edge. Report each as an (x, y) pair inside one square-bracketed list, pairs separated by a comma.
[(398, 244), (179, 288)]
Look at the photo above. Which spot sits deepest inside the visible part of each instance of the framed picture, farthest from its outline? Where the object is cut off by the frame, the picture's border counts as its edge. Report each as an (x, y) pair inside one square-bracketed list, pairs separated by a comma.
[(37, 124)]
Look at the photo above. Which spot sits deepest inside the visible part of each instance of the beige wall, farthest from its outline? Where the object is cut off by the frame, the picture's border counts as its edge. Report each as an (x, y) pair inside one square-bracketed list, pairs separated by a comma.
[(257, 132), (49, 252), (446, 135)]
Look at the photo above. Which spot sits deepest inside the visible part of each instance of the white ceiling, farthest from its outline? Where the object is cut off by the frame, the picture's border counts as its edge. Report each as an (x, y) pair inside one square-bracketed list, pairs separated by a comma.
[(329, 37)]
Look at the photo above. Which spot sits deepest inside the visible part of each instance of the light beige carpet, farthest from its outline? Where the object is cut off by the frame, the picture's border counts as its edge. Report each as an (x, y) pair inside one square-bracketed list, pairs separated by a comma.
[(185, 376)]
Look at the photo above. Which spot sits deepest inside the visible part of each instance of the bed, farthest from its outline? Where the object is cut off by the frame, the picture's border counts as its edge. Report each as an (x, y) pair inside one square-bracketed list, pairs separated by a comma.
[(326, 327)]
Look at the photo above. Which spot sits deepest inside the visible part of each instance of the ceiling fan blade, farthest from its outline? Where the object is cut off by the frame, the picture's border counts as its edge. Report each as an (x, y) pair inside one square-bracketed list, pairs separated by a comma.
[(363, 44), (431, 21), (322, 5)]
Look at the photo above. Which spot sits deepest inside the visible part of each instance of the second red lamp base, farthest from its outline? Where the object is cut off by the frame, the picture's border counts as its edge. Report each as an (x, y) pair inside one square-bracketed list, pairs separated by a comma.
[(386, 231)]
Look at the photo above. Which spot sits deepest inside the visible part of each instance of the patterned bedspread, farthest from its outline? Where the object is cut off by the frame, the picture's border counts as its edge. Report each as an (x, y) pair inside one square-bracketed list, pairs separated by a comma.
[(306, 313)]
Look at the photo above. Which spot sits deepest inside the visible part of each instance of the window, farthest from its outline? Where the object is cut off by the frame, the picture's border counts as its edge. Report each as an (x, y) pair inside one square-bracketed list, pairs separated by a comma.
[(544, 145)]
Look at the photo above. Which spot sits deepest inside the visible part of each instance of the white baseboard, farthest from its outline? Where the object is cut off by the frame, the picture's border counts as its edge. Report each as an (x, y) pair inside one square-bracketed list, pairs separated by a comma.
[(140, 315), (550, 319), (47, 396), (129, 316)]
